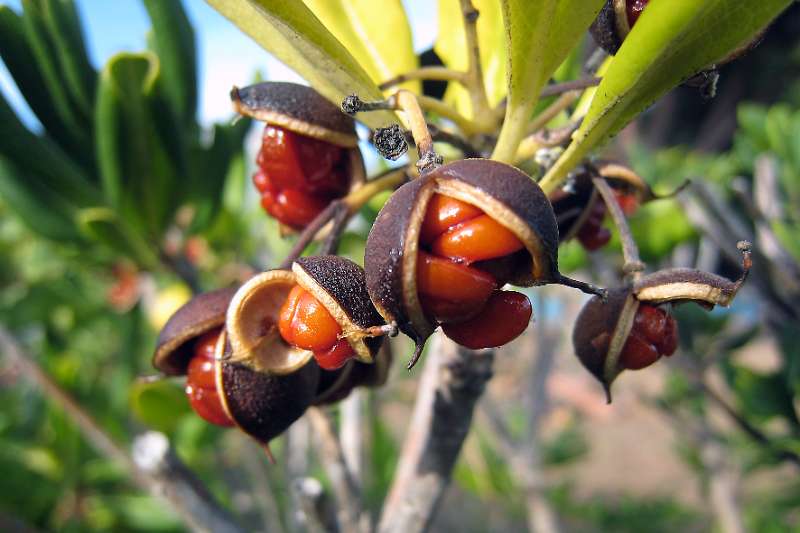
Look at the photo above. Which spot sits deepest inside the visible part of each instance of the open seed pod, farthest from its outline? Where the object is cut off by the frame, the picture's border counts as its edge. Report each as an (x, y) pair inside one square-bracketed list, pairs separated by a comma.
[(305, 112), (503, 192), (252, 318), (263, 405), (573, 205), (615, 317), (336, 385), (199, 315)]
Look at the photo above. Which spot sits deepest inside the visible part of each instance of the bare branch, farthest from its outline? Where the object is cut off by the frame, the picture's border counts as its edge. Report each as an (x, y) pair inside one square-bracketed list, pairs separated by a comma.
[(346, 492), (452, 381), (153, 466)]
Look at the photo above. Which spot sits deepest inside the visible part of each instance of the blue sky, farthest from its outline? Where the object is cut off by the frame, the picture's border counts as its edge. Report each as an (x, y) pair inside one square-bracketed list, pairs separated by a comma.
[(226, 57)]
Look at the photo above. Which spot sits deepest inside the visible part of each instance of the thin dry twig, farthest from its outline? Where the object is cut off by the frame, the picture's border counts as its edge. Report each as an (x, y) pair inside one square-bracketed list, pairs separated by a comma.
[(630, 251), (153, 464), (452, 381), (346, 492)]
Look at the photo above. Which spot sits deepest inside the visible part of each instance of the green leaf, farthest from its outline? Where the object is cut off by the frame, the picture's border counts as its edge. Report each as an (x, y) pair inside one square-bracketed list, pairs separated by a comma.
[(39, 208), (103, 226), (671, 41), (64, 28), (540, 35), (18, 58), (209, 169), (158, 404), (174, 42), (377, 34), (291, 32), (139, 177), (43, 161), (45, 57), (450, 47)]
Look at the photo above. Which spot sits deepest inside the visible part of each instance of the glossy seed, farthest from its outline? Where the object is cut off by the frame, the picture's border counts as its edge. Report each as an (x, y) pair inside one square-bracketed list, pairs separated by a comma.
[(478, 239), (503, 319)]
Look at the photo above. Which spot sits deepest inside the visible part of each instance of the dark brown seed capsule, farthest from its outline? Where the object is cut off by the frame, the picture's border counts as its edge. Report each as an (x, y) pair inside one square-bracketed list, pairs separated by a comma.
[(296, 108), (294, 197), (263, 405), (504, 193), (200, 315), (337, 283), (574, 205), (602, 329)]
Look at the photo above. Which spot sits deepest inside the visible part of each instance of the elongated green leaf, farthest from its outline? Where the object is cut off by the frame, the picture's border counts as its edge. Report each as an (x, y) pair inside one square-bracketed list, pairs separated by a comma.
[(377, 34), (451, 48), (63, 26), (209, 168), (291, 32), (174, 42), (671, 41), (43, 161), (103, 226), (21, 64), (39, 208), (138, 176), (540, 34), (45, 56)]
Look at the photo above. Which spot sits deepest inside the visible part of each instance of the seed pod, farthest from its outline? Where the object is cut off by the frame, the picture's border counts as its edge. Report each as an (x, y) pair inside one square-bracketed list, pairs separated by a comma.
[(252, 318), (200, 315), (615, 317), (263, 405), (305, 112), (502, 192), (574, 205)]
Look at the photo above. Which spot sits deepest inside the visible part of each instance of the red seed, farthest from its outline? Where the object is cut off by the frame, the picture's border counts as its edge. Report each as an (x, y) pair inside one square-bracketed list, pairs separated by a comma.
[(305, 323), (451, 281), (504, 318), (442, 213), (637, 353), (593, 237), (650, 322), (336, 356), (669, 342), (201, 384), (477, 239), (293, 207), (634, 9)]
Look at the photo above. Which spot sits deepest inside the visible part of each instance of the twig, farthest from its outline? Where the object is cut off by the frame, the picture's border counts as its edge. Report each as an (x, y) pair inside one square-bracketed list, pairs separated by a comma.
[(351, 433), (346, 492), (474, 75), (311, 499), (567, 86), (630, 251), (551, 111), (181, 267), (425, 73), (749, 429), (153, 465), (310, 232), (331, 243), (453, 380)]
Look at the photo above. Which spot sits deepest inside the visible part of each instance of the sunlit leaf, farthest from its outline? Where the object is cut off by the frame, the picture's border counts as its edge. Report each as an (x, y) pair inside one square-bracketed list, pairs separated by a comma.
[(671, 41), (377, 34), (158, 404), (451, 48), (540, 34), (291, 32)]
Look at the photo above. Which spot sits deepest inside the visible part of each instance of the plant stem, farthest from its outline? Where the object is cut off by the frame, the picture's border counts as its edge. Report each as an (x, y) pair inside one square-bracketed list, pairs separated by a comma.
[(630, 251), (425, 73), (551, 111), (474, 77), (154, 465), (567, 86), (340, 212), (453, 380), (346, 491)]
